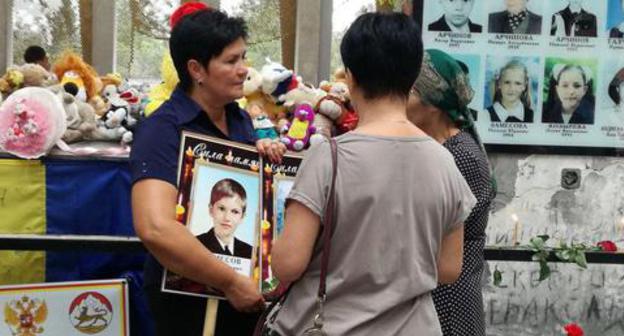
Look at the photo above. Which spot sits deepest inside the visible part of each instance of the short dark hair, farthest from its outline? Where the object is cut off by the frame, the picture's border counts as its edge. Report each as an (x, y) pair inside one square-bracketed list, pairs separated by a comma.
[(202, 36), (228, 188), (34, 54), (384, 53)]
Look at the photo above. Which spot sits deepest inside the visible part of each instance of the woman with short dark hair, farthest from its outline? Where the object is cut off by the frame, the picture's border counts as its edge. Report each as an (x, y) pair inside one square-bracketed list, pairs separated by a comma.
[(400, 203), (208, 49)]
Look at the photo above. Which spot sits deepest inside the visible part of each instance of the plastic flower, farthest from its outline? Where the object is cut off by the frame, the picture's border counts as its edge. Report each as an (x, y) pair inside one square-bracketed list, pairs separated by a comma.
[(573, 329), (607, 245)]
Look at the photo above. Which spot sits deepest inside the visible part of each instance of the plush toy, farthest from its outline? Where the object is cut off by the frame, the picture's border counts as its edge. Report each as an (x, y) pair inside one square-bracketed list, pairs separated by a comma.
[(161, 92), (348, 121), (36, 75), (330, 108), (12, 80), (340, 75), (338, 99), (99, 105), (263, 126), (254, 96), (110, 127), (277, 80), (132, 97), (81, 122), (119, 111), (301, 94), (297, 134), (111, 78), (71, 68), (31, 122)]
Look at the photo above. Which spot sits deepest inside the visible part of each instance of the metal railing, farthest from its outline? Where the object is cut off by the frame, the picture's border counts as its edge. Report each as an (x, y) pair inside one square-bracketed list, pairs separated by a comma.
[(37, 242)]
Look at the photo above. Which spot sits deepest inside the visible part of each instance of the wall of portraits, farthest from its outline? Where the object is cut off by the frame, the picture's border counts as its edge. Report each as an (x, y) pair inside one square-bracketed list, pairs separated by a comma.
[(546, 74)]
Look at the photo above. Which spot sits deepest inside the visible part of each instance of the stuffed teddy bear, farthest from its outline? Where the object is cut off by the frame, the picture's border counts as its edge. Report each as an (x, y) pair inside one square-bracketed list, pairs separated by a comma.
[(330, 108), (336, 106), (298, 132), (31, 122), (36, 75)]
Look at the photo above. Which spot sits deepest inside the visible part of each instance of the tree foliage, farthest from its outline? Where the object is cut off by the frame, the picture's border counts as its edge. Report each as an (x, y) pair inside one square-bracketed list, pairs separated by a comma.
[(142, 43), (64, 28), (262, 17), (37, 22)]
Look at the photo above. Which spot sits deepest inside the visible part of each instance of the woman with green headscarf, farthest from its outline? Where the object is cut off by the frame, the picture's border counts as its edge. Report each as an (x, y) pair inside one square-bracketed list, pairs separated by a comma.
[(439, 106)]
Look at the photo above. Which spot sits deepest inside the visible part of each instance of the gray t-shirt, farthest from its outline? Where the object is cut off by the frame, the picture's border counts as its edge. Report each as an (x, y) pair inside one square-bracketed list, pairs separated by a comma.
[(396, 198)]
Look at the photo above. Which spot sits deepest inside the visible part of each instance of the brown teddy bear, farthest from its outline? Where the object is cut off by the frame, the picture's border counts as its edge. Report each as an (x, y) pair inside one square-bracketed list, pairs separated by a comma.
[(36, 75)]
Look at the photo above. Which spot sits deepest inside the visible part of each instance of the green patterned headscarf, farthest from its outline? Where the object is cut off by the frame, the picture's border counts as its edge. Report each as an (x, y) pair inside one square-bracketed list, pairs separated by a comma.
[(444, 83)]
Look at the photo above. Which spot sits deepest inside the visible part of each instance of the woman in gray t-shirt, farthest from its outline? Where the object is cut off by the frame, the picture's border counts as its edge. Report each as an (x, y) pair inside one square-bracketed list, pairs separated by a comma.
[(400, 202)]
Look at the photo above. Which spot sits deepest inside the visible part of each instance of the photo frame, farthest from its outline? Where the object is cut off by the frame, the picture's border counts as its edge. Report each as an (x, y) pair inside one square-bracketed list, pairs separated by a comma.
[(227, 198)]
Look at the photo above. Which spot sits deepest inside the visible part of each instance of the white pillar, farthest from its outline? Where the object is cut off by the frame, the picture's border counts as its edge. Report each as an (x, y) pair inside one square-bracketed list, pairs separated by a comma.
[(313, 42), (104, 36), (6, 34)]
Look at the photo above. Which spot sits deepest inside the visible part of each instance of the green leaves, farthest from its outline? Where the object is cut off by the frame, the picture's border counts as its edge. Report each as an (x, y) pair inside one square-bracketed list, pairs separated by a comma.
[(574, 253), (538, 243), (498, 277), (544, 271)]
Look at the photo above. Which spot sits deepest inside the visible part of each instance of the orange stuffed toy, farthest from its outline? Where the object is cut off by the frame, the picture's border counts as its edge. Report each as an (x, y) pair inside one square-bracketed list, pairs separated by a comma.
[(70, 68)]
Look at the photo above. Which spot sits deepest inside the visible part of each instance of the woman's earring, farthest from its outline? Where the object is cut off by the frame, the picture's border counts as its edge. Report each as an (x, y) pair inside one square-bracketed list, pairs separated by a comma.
[(200, 82)]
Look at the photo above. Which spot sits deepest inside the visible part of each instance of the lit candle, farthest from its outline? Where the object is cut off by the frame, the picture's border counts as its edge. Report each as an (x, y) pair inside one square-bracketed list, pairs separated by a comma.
[(516, 229)]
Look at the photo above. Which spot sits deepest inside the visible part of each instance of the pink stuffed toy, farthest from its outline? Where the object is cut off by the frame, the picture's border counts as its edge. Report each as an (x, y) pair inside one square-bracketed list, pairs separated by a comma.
[(32, 121), (297, 134)]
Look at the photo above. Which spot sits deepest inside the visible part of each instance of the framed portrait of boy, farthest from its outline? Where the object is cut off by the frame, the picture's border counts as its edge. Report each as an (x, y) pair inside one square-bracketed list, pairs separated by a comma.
[(224, 213), (219, 201)]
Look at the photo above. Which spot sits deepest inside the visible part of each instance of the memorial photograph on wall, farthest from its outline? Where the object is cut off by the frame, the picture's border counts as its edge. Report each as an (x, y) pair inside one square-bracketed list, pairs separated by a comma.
[(511, 88), (546, 74), (456, 16)]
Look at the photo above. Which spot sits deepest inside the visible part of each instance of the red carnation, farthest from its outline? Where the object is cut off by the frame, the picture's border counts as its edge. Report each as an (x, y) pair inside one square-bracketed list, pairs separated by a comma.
[(573, 329), (184, 10), (607, 245)]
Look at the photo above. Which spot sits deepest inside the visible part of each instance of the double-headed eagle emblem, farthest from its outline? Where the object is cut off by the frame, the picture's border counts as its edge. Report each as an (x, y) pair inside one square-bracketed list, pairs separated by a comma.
[(25, 316)]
